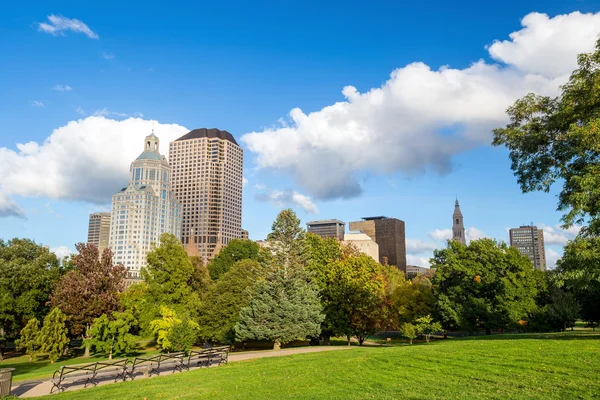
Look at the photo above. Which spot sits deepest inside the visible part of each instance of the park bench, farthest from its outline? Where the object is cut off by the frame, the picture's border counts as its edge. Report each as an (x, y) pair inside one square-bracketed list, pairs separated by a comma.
[(206, 357), (152, 364), (88, 373)]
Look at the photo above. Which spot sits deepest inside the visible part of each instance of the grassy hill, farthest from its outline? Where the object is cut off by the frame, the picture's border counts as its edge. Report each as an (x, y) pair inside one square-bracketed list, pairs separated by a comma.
[(552, 366)]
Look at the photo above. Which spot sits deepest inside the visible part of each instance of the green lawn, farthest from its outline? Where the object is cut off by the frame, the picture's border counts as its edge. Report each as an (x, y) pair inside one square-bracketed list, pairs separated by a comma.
[(564, 366)]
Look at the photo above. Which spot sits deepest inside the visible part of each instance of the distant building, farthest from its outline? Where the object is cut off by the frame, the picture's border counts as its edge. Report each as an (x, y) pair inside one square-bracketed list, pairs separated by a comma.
[(245, 234), (207, 169), (458, 227), (414, 270), (144, 210), (529, 240), (364, 243), (99, 230), (389, 234), (328, 228)]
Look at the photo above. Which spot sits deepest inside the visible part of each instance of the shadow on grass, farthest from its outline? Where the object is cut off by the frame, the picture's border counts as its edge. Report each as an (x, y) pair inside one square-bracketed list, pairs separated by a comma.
[(540, 336)]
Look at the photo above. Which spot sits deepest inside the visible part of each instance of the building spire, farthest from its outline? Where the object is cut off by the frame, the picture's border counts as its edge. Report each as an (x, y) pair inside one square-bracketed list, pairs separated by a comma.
[(458, 228)]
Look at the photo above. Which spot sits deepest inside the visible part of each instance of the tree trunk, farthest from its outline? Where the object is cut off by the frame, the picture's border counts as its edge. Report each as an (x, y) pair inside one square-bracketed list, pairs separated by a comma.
[(361, 340), (348, 337), (86, 352), (277, 345), (410, 340), (488, 331), (427, 337), (326, 339)]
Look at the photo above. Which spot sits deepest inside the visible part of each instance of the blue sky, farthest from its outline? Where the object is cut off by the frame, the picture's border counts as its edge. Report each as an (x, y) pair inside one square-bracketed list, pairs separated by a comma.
[(401, 145)]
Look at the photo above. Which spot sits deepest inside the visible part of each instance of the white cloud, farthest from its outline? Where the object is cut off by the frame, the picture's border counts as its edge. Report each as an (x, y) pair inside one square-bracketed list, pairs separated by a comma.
[(8, 208), (108, 56), (471, 233), (551, 258), (289, 197), (62, 88), (417, 260), (80, 111), (244, 181), (62, 251), (138, 114), (420, 118), (58, 25), (105, 113), (415, 246), (84, 160), (557, 235), (36, 103)]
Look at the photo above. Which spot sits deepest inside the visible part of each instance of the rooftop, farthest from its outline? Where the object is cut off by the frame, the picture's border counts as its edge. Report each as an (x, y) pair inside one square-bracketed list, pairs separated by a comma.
[(374, 218), (208, 133), (326, 222)]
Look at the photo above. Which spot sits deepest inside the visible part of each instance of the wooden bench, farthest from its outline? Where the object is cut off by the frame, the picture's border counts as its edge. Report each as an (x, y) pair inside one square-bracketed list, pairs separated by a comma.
[(88, 373), (153, 363)]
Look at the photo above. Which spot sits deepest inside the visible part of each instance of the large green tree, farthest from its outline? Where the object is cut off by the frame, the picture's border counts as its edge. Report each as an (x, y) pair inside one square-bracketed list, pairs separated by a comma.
[(236, 250), (413, 299), (485, 285), (53, 335), (557, 139), (90, 290), (287, 241), (28, 272), (114, 335), (282, 308), (221, 304)]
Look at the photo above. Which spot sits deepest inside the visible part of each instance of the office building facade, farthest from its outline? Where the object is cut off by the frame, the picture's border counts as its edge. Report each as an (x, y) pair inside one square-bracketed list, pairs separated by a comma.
[(328, 228), (389, 234), (207, 168), (99, 230), (364, 243), (529, 240), (144, 210)]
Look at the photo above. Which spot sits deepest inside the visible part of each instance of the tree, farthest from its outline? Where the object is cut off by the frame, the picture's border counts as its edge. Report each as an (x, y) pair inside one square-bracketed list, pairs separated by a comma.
[(113, 336), (200, 279), (173, 333), (221, 304), (426, 327), (563, 310), (29, 272), (483, 285), (287, 241), (135, 300), (236, 250), (284, 307), (53, 335), (557, 139), (90, 290), (29, 340), (413, 299), (409, 331)]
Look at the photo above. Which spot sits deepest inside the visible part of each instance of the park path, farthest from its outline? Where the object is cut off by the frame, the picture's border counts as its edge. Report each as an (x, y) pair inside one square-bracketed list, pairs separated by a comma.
[(42, 387)]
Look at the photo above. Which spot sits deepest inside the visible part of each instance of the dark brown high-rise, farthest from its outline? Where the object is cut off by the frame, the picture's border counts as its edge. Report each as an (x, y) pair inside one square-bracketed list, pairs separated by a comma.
[(389, 234)]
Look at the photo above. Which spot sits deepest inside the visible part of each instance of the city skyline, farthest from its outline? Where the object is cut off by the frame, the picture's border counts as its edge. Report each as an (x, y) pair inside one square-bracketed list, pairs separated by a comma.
[(95, 111)]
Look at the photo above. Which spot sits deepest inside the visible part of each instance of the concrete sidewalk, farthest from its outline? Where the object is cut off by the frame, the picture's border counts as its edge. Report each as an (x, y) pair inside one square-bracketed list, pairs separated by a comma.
[(42, 387)]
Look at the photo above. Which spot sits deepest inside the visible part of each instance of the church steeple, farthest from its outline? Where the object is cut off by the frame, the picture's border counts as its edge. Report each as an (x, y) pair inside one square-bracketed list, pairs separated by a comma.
[(458, 228)]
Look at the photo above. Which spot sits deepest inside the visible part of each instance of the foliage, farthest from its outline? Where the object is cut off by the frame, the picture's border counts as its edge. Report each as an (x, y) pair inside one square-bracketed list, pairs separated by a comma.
[(483, 285), (135, 300), (200, 279), (236, 250), (426, 326), (221, 306), (413, 299), (282, 308), (29, 340), (287, 240), (53, 335), (409, 331), (563, 310), (173, 333), (90, 290), (29, 272), (558, 139), (113, 336)]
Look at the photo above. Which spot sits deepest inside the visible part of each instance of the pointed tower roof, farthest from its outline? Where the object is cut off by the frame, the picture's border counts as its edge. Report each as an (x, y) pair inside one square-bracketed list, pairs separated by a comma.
[(457, 208)]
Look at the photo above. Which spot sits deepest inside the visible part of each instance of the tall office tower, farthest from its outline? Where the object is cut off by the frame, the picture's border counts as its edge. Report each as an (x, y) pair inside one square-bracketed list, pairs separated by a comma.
[(144, 210), (389, 234), (327, 228), (245, 234), (458, 228), (529, 240), (207, 169), (99, 230)]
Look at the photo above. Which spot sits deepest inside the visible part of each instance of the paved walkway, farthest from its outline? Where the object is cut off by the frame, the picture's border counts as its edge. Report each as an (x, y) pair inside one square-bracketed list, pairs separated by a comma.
[(42, 387)]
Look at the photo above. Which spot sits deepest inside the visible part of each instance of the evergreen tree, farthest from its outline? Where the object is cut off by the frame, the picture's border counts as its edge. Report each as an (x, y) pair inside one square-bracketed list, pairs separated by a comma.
[(53, 335), (29, 340), (282, 308), (288, 241), (113, 336)]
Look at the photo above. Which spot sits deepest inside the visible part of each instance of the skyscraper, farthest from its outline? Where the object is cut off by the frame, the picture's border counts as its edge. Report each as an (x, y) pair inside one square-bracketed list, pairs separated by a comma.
[(144, 210), (529, 240), (458, 228), (389, 234), (207, 169), (327, 228), (99, 230)]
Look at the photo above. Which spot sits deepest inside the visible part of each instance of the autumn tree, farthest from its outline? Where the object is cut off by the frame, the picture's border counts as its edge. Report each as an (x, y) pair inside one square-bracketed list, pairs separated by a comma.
[(29, 272), (413, 299), (557, 140), (53, 335), (90, 290), (172, 332), (114, 335), (29, 340), (485, 285), (234, 251)]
